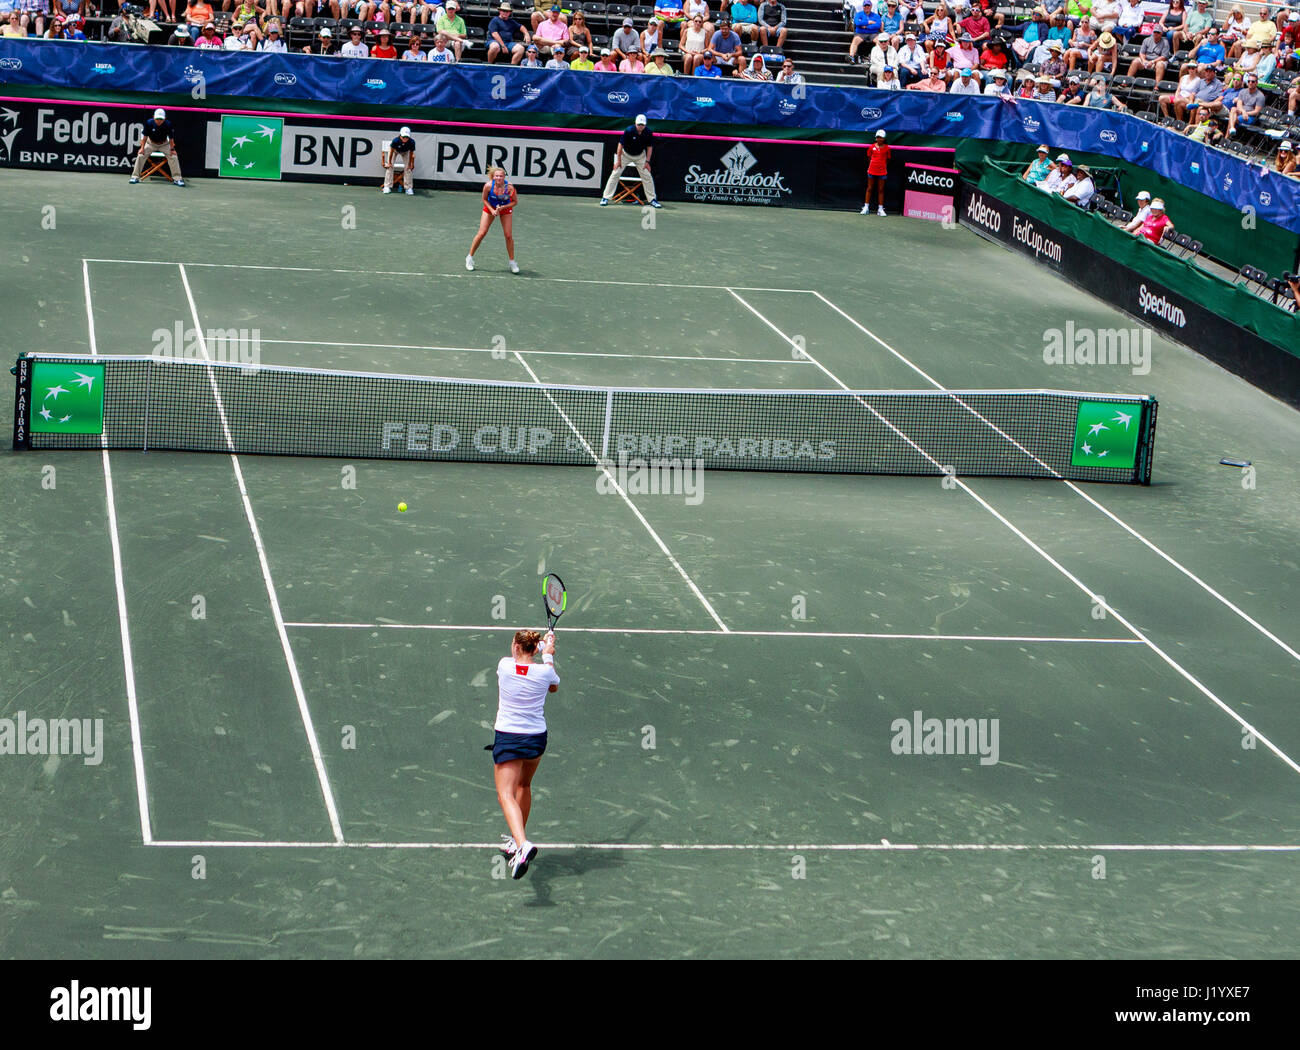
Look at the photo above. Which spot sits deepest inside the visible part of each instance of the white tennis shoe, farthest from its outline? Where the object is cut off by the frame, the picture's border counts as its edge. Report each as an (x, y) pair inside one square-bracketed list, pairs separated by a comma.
[(514, 266), (523, 857), (469, 262), (508, 847)]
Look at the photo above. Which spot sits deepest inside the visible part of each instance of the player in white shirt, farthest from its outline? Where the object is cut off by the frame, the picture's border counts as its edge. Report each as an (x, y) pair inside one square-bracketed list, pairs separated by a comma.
[(520, 739)]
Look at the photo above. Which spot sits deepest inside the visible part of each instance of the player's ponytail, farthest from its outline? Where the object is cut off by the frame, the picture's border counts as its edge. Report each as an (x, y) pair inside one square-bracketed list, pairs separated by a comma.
[(528, 640)]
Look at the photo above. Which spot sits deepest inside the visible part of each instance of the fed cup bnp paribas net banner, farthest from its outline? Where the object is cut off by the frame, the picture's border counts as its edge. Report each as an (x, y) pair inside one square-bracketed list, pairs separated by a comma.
[(250, 147), (67, 398), (1106, 434)]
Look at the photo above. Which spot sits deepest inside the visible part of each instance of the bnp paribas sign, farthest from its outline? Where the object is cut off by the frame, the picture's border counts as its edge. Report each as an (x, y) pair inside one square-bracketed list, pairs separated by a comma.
[(67, 398), (250, 147)]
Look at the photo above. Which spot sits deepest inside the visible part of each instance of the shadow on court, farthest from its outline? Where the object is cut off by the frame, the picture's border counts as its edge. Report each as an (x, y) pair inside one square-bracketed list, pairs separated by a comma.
[(566, 865)]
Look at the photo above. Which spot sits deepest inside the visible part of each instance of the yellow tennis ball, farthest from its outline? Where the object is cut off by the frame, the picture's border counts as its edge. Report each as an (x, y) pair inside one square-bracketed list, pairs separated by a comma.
[(402, 507)]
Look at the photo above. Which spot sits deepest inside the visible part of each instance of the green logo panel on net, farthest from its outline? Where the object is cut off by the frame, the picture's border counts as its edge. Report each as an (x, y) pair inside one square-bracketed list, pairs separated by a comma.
[(67, 399), (1106, 434)]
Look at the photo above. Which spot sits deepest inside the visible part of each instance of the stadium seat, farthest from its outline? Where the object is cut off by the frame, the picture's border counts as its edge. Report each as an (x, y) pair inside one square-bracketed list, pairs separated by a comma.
[(1282, 294), (1143, 87), (1249, 275), (1122, 84), (640, 13)]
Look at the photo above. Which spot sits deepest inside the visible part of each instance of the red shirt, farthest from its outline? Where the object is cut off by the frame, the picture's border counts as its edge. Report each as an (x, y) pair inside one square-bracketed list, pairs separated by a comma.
[(993, 59), (976, 25), (379, 51), (879, 159)]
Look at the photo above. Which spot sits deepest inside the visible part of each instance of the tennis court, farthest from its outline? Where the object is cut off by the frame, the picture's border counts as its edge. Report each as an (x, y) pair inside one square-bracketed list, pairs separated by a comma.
[(315, 734)]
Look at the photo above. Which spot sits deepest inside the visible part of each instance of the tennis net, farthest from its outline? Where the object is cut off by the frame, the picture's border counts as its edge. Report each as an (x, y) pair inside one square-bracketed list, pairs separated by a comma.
[(75, 401)]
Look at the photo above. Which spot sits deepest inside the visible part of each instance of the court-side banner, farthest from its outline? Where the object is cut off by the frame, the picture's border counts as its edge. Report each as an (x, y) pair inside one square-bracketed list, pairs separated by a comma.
[(121, 67), (1176, 315)]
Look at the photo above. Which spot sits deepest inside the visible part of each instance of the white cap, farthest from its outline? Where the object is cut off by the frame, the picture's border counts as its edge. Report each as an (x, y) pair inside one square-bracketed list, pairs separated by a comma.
[(405, 131), (880, 134), (640, 118), (1144, 196), (1285, 145), (1158, 204), (160, 114), (326, 32)]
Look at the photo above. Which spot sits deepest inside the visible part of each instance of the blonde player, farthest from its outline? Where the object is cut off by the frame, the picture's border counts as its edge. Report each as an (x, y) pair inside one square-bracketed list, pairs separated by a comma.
[(520, 739), (499, 200)]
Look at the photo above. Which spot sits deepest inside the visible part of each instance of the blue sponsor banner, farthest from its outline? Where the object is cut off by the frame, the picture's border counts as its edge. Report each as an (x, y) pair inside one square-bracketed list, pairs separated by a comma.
[(119, 67)]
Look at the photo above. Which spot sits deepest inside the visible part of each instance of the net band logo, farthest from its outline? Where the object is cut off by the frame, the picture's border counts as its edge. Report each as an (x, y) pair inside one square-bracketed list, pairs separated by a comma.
[(1106, 434), (67, 398), (75, 1003), (490, 439)]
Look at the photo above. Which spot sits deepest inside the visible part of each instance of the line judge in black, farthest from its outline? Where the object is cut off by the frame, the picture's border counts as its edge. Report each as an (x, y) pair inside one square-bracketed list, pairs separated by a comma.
[(159, 136), (634, 147)]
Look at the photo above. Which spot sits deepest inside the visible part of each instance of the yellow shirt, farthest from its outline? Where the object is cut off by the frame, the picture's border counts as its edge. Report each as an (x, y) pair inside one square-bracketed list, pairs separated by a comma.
[(585, 64), (1262, 32), (10, 31), (656, 70)]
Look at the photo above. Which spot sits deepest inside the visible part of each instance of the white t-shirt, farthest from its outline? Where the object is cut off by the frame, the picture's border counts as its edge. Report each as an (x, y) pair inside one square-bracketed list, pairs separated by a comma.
[(351, 50), (960, 87), (272, 45), (523, 689), (1081, 192)]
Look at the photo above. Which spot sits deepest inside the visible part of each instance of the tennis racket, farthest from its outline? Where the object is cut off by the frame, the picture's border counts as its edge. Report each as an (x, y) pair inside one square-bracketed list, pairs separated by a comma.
[(554, 598)]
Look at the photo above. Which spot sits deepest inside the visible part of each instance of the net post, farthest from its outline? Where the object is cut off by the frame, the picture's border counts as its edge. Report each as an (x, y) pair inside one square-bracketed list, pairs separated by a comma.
[(1146, 443), (22, 403), (609, 414)]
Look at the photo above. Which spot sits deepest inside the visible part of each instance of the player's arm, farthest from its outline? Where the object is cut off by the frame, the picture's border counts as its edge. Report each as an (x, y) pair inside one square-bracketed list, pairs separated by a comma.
[(548, 655)]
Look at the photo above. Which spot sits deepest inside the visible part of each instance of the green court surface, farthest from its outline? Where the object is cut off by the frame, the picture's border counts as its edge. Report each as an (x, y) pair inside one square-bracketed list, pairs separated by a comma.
[(1136, 646)]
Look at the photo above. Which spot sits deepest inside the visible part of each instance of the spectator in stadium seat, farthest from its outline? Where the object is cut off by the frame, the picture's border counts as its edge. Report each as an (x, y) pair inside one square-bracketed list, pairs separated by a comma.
[(1044, 90), (1264, 32), (1152, 58), (1081, 43), (1201, 128), (451, 25), (1078, 11), (1172, 18), (659, 66), (1209, 51), (506, 36), (1234, 27), (1183, 96), (911, 61), (1031, 35), (1104, 55), (694, 42), (788, 75), (1209, 92), (744, 19), (912, 11), (632, 63), (1104, 13), (180, 37), (669, 12), (1156, 225), (964, 83), (882, 55), (933, 82), (384, 49), (551, 32), (1196, 25), (994, 56), (1072, 92), (415, 50), (322, 45), (700, 9), (354, 46), (402, 146), (579, 33), (889, 80), (158, 134), (624, 40), (532, 58), (756, 69), (708, 66), (198, 13), (962, 55), (866, 26), (209, 39), (1284, 161), (891, 21), (1100, 97), (1083, 189), (726, 45), (939, 32), (651, 36), (273, 41), (1059, 28), (441, 53), (1039, 167), (606, 64), (1131, 20), (1247, 106), (556, 61), (772, 28), (1027, 86), (977, 27), (1250, 59), (583, 62), (1060, 177), (997, 84), (14, 27)]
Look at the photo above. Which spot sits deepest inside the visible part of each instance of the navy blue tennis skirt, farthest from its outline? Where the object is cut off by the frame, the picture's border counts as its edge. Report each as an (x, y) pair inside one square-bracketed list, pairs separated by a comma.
[(507, 747)]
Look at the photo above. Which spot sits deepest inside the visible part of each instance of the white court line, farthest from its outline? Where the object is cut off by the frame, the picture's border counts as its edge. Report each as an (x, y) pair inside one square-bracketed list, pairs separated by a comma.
[(626, 499), (317, 758), (547, 353), (1095, 598), (462, 275), (733, 633), (119, 580), (718, 847), (1081, 492)]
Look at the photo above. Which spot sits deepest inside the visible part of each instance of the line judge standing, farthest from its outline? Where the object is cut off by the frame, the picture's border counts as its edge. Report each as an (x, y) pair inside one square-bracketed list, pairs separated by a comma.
[(634, 147)]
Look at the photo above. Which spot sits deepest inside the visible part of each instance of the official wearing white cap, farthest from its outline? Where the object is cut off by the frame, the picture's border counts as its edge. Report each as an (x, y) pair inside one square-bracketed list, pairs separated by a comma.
[(634, 147), (404, 147), (159, 137)]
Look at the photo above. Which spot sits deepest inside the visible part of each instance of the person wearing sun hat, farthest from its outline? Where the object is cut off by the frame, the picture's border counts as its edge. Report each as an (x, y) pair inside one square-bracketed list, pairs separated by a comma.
[(505, 36), (659, 66), (1285, 161), (1103, 56), (384, 49), (1039, 167), (997, 84)]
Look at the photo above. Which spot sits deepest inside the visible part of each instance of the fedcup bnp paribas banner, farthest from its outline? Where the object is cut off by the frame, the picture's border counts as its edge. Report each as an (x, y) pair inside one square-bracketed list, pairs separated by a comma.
[(319, 148)]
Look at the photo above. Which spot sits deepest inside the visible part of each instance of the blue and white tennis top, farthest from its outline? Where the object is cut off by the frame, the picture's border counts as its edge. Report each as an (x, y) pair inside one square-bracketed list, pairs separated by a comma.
[(523, 689)]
